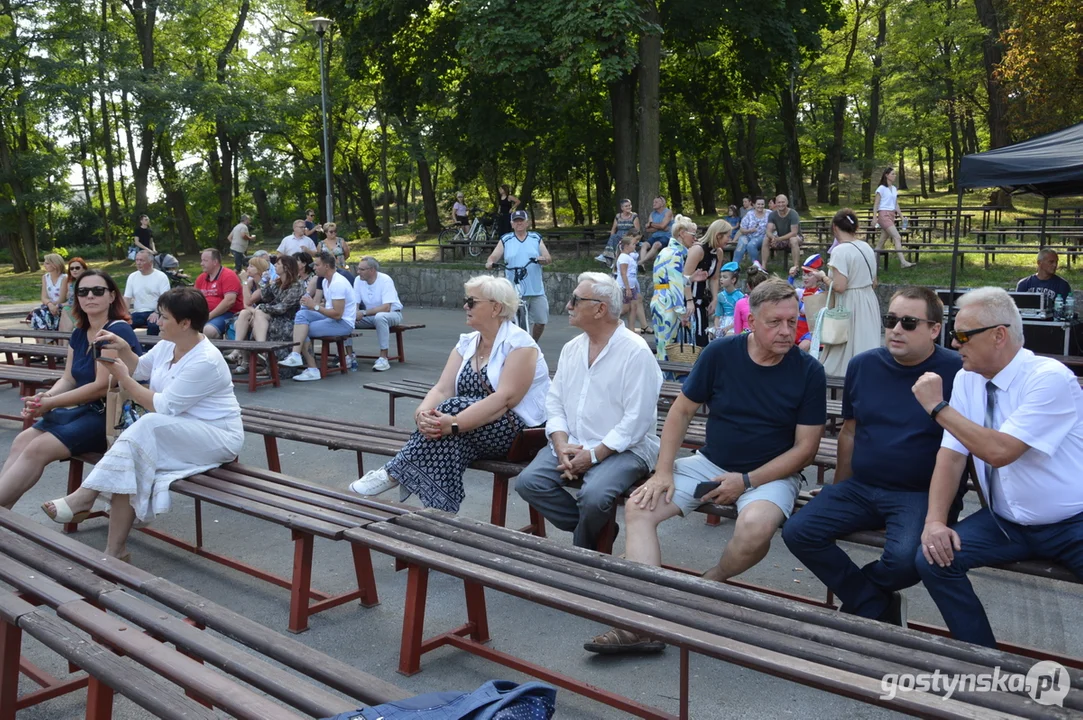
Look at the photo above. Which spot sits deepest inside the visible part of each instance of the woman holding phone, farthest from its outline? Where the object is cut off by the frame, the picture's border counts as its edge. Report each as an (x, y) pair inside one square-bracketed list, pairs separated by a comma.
[(71, 414)]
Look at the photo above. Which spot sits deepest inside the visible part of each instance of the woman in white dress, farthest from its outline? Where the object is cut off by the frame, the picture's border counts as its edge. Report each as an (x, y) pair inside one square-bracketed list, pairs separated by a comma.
[(192, 424), (853, 282)]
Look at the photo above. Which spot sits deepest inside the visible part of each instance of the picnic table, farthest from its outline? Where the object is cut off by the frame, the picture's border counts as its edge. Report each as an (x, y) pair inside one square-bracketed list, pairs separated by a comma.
[(27, 352)]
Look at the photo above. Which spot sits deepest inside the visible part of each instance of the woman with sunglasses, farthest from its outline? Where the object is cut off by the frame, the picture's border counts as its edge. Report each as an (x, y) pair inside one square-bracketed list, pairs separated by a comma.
[(71, 414), (76, 267), (852, 283), (672, 304), (493, 386), (335, 245)]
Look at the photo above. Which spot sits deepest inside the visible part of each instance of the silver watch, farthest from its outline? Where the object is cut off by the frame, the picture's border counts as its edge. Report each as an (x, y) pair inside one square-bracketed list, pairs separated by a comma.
[(593, 457)]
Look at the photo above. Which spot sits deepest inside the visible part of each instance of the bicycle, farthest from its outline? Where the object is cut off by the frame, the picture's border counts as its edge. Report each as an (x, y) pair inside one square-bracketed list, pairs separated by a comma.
[(482, 231), (522, 315)]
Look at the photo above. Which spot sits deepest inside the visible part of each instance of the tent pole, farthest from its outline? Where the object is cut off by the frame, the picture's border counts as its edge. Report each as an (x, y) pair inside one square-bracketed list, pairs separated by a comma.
[(955, 255), (1045, 215)]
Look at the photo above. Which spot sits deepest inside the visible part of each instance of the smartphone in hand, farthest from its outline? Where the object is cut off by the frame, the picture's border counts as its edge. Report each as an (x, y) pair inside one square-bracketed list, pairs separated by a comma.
[(705, 487), (105, 359)]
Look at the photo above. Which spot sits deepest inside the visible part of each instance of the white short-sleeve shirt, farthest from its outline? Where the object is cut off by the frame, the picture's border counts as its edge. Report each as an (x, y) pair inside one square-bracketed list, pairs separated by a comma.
[(381, 292), (889, 197), (143, 290), (339, 288), (510, 337), (291, 245), (1038, 401)]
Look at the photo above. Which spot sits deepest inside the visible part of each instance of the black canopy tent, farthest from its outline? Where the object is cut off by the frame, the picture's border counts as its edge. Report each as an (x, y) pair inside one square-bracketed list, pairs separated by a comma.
[(1049, 165)]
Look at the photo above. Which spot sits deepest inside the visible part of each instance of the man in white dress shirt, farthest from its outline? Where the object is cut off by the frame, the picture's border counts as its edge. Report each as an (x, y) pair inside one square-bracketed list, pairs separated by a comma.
[(298, 241), (378, 305), (1021, 417), (601, 412)]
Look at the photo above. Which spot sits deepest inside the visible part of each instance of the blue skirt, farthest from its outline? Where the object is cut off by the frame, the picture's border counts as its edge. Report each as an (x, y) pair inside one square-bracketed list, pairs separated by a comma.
[(81, 429)]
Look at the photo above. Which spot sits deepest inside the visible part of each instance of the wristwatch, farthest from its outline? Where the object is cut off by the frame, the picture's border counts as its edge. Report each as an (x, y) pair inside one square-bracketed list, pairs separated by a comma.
[(454, 427), (936, 410), (593, 457), (747, 480)]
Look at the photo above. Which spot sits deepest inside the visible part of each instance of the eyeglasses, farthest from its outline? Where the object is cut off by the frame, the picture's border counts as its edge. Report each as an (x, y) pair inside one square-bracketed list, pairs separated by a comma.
[(98, 291), (909, 323), (964, 336), (470, 302), (73, 268), (576, 300)]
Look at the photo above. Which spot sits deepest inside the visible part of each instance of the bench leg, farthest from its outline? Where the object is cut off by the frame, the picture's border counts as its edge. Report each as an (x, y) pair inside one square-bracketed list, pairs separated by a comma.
[(301, 585), (398, 345), (325, 349), (476, 614), (272, 364), (253, 362), (343, 368), (608, 534), (11, 643), (270, 443), (684, 685), (99, 700), (714, 520), (75, 479), (199, 523), (366, 580), (498, 515), (360, 463), (537, 522), (413, 620)]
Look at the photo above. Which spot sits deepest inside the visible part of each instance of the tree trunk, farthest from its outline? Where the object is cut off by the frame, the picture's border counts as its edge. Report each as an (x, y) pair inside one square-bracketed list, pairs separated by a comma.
[(83, 160), (834, 156), (384, 182), (902, 170), (693, 184), (992, 55), (706, 185), (949, 162), (782, 187), (650, 60), (603, 193), (733, 179), (622, 99), (143, 19), (176, 197), (823, 181), (573, 199), (921, 173), (553, 199), (227, 140), (932, 170), (673, 182), (21, 242), (874, 107), (263, 207), (530, 181), (364, 196), (746, 150), (794, 169)]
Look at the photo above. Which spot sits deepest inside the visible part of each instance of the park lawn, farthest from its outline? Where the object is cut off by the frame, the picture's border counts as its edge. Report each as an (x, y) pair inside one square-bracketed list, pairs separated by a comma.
[(26, 287)]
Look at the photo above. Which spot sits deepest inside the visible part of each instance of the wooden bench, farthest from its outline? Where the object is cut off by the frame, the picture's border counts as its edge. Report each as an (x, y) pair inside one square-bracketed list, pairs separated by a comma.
[(27, 351), (51, 570), (29, 380), (833, 651), (397, 331), (307, 509), (413, 247)]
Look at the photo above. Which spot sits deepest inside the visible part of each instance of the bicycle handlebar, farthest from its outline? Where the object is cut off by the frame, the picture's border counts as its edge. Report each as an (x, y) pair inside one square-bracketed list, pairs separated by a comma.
[(520, 272)]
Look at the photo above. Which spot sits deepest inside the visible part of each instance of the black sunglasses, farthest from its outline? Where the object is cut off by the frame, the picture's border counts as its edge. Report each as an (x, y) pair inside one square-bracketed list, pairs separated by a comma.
[(908, 322), (470, 302), (576, 300), (964, 336), (97, 291)]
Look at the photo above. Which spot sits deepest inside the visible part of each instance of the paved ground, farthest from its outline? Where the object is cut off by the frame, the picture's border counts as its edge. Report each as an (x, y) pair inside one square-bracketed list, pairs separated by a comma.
[(1022, 609)]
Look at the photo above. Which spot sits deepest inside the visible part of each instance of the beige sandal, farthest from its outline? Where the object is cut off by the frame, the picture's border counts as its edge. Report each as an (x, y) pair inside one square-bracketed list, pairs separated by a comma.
[(618, 642)]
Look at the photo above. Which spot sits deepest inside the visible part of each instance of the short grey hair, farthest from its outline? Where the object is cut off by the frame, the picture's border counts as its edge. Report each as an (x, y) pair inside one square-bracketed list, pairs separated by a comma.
[(1046, 252), (245, 218), (373, 262), (773, 290), (148, 253), (497, 289), (994, 306), (605, 288)]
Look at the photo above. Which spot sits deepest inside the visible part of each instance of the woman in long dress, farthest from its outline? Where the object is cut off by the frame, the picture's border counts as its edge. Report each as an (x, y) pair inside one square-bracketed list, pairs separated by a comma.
[(493, 386), (192, 423), (853, 282), (671, 303)]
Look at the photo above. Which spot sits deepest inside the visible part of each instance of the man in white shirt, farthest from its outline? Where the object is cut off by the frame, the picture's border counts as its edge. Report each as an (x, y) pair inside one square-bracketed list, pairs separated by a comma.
[(330, 314), (298, 241), (378, 305), (601, 413), (238, 242), (141, 292), (1021, 417)]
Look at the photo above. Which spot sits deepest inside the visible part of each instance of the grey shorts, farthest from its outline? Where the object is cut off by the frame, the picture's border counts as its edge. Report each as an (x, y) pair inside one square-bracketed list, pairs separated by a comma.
[(691, 471), (538, 308)]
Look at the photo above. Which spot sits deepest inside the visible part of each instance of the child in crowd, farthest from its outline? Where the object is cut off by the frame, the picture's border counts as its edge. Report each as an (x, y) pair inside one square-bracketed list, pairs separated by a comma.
[(727, 299), (756, 275), (811, 286), (627, 263)]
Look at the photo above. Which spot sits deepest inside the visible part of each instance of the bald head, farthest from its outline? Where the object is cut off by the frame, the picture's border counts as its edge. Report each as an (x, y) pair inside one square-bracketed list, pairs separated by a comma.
[(781, 202)]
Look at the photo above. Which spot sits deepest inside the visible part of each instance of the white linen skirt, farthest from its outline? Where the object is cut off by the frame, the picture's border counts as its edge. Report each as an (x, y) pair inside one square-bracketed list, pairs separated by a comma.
[(158, 450)]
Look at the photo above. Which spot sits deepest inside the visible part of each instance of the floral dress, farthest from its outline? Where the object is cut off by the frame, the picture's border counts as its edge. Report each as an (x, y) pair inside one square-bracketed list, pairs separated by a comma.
[(281, 304), (668, 299), (434, 468), (337, 251)]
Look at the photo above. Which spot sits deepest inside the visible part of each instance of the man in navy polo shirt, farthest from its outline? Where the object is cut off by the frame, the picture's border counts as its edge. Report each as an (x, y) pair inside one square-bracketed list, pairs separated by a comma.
[(886, 453)]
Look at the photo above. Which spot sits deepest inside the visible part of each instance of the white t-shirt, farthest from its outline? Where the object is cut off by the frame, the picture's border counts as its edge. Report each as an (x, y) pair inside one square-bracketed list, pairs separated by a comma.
[(199, 386), (142, 291), (237, 242), (630, 261), (338, 288), (381, 292), (291, 245), (889, 197)]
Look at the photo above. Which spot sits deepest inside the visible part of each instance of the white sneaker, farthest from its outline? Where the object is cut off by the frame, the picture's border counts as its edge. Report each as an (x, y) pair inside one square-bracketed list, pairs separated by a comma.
[(373, 482), (757, 265), (381, 364), (308, 374), (294, 359), (602, 259)]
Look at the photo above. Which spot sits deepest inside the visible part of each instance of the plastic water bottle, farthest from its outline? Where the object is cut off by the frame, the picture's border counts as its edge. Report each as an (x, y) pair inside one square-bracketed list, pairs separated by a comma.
[(1069, 307), (1058, 308)]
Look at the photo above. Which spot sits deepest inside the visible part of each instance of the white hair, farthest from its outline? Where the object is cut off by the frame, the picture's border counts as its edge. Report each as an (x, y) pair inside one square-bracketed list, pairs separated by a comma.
[(497, 289), (605, 288), (994, 306), (681, 222)]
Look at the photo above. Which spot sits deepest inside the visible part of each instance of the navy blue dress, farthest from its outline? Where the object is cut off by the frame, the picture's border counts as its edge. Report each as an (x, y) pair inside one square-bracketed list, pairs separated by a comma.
[(82, 428)]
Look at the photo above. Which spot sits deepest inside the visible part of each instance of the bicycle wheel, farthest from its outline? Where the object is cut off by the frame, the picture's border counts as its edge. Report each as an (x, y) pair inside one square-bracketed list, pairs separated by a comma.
[(447, 236), (476, 242)]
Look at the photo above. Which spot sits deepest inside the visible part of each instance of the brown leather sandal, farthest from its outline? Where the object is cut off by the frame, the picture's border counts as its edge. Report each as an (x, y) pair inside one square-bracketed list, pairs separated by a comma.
[(618, 642)]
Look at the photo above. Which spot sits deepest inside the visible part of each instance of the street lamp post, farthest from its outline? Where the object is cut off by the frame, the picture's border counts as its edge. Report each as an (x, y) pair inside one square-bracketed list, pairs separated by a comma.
[(320, 25)]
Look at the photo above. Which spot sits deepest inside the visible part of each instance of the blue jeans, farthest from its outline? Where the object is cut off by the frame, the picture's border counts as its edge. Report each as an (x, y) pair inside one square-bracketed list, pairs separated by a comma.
[(139, 319), (984, 544), (750, 244), (850, 507)]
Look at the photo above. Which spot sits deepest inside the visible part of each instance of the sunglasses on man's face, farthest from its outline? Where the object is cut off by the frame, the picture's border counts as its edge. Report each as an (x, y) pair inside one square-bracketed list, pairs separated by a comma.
[(97, 291), (908, 322), (964, 336), (576, 300)]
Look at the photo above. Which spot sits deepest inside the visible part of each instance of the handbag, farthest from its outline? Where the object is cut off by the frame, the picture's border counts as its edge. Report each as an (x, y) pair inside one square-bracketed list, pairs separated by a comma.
[(833, 324), (121, 412), (132, 252), (495, 700), (685, 349)]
